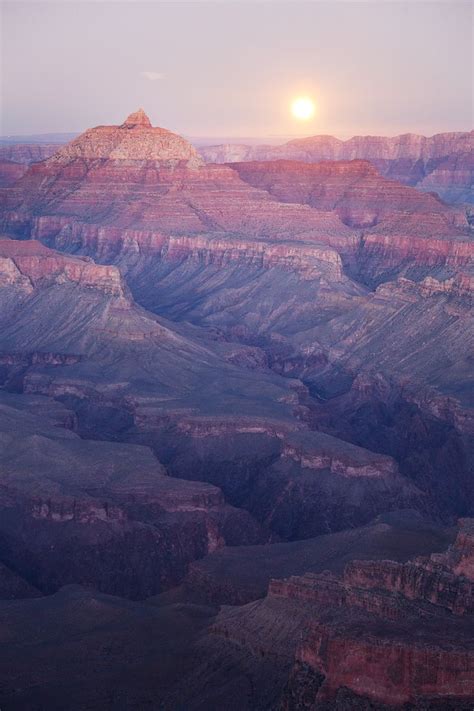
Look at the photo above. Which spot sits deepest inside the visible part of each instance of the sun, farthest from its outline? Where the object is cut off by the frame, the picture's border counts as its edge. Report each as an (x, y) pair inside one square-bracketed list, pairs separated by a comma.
[(303, 108)]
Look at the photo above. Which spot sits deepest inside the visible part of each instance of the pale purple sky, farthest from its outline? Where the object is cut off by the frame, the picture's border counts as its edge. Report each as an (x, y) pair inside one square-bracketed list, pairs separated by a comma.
[(232, 68)]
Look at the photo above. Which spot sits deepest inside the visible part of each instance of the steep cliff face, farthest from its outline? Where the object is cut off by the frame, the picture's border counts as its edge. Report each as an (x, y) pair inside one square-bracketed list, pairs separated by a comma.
[(443, 161), (71, 331), (329, 641), (238, 575), (299, 484), (136, 250), (354, 189), (460, 557), (35, 265), (399, 226), (346, 651), (390, 588), (398, 675), (102, 514)]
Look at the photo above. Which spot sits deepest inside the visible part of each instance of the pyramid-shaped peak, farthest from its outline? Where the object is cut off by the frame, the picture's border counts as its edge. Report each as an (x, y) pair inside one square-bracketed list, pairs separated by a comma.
[(138, 118), (136, 139)]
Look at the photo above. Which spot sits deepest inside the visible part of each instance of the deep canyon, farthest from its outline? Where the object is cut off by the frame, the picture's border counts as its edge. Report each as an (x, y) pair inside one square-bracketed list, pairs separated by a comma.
[(236, 423)]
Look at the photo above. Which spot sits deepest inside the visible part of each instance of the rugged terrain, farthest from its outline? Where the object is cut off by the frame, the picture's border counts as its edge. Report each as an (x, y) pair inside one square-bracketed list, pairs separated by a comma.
[(217, 383), (70, 330), (97, 513), (318, 641), (442, 163)]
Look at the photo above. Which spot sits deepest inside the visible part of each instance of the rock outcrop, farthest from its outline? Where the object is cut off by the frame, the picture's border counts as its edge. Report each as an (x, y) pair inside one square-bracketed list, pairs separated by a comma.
[(237, 575), (102, 514), (299, 484), (134, 140), (346, 650), (347, 641), (32, 264)]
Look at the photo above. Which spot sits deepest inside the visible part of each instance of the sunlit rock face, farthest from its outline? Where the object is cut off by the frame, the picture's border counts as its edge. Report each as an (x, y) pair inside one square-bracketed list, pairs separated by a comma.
[(40, 266), (134, 140), (442, 163), (139, 184)]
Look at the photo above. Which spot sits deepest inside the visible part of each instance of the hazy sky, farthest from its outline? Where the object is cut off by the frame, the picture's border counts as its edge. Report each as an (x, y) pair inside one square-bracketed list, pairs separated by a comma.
[(232, 68)]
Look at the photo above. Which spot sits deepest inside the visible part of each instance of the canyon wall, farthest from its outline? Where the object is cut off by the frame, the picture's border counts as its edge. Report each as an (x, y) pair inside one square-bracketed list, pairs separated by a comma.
[(442, 163)]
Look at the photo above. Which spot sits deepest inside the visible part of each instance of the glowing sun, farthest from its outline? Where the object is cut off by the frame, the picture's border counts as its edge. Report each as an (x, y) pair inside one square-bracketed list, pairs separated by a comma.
[(303, 108)]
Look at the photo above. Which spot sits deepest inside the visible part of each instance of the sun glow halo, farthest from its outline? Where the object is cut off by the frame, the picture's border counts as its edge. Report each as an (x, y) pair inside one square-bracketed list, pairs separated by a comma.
[(303, 108)]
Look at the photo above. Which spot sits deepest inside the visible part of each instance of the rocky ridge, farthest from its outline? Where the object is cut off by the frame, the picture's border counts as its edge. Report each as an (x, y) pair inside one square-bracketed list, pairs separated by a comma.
[(425, 590), (354, 632), (441, 163)]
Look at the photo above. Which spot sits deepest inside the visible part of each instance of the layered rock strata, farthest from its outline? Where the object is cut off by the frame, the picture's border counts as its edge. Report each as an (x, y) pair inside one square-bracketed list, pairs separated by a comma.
[(105, 515), (71, 331), (355, 633), (442, 163)]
